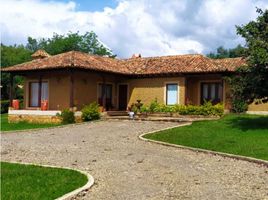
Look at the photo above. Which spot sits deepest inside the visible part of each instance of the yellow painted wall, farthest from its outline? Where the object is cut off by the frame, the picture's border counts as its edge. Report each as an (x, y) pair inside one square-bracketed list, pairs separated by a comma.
[(58, 89), (147, 89), (144, 89)]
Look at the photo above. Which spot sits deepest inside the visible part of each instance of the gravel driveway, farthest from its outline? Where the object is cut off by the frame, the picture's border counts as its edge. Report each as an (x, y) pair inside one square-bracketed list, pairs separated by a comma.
[(125, 167)]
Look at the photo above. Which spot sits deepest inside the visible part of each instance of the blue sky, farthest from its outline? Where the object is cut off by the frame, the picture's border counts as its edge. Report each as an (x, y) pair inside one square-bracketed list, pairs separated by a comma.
[(93, 5), (148, 27)]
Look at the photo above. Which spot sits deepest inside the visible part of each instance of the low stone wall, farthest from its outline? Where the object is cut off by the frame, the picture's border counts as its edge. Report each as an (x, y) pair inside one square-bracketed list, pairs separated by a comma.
[(38, 116), (34, 116), (40, 119)]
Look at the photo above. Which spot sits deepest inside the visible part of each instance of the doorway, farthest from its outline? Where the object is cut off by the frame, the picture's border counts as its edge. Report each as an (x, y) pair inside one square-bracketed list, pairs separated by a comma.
[(122, 96)]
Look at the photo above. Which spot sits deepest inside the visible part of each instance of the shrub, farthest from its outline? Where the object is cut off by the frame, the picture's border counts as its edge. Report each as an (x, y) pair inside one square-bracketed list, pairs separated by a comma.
[(133, 108), (4, 106), (154, 106), (91, 112), (206, 109), (144, 109), (67, 116), (21, 103), (239, 106)]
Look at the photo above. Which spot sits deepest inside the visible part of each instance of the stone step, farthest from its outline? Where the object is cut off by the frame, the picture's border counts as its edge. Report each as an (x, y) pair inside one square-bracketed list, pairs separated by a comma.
[(117, 113)]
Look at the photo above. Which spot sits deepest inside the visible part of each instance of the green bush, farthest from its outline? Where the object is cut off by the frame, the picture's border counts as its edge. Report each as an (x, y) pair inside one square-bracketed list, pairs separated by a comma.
[(153, 106), (91, 112), (144, 109), (4, 106), (239, 106), (67, 116), (206, 109), (21, 103)]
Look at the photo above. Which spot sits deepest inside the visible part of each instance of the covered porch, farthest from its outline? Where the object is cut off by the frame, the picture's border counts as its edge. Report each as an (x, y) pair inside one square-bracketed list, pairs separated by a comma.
[(72, 89)]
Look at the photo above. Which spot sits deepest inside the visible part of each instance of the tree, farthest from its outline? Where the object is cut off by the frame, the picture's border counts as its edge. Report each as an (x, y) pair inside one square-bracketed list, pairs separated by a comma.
[(251, 82), (12, 55), (238, 51), (88, 43), (16, 54)]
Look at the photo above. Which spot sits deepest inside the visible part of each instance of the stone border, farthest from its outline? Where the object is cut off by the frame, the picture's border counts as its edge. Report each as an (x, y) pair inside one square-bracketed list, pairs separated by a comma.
[(225, 155), (257, 112), (34, 112), (71, 194)]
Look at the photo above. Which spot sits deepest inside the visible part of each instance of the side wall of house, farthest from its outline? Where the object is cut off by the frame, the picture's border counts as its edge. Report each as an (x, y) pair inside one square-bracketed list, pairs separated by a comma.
[(59, 92), (147, 89)]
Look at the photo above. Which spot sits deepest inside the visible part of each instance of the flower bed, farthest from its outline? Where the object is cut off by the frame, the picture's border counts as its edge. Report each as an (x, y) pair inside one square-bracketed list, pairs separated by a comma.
[(162, 110)]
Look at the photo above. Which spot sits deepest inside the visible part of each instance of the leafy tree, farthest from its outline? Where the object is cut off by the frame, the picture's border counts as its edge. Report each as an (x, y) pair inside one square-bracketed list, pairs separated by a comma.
[(238, 51), (251, 82), (12, 55), (16, 54), (88, 43)]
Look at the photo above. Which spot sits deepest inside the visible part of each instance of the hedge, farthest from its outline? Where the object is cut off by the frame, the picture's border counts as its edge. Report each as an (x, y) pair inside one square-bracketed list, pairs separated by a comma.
[(4, 106), (206, 109), (91, 112)]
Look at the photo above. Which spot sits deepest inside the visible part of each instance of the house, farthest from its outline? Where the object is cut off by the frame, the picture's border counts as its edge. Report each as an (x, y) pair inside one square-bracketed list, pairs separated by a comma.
[(74, 79)]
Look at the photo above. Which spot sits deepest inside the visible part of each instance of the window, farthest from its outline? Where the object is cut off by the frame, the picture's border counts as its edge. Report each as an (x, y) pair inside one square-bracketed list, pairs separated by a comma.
[(211, 92), (171, 94), (105, 92), (34, 92)]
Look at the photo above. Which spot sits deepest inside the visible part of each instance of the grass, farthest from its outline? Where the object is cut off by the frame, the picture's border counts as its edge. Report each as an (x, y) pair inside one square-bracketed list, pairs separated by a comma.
[(245, 135), (20, 181), (5, 126)]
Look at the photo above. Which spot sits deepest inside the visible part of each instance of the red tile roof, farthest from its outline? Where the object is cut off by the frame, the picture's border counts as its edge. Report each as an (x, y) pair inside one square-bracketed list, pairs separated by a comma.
[(40, 54), (136, 66)]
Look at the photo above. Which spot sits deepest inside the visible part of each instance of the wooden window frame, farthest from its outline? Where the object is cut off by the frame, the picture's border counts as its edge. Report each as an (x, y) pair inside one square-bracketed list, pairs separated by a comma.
[(166, 93), (30, 95), (209, 83)]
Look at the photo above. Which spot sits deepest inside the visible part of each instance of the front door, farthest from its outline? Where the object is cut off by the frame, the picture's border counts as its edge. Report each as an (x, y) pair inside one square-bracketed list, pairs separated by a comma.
[(122, 97)]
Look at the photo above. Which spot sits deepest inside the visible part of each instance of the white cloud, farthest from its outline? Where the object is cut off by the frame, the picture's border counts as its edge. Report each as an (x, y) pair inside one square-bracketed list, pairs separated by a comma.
[(149, 27)]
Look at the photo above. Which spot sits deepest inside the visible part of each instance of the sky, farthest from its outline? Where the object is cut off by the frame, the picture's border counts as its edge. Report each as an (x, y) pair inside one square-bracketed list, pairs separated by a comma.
[(148, 27)]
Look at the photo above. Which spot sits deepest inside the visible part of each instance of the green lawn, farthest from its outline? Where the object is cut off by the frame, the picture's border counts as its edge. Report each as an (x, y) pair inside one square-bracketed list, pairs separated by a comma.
[(34, 182), (245, 135), (5, 126)]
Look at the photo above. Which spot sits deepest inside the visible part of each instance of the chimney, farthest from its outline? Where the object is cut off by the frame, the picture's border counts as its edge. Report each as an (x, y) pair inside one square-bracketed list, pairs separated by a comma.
[(136, 55), (40, 54)]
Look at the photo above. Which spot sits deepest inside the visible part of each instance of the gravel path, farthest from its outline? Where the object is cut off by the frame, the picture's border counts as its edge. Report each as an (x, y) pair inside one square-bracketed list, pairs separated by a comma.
[(125, 167)]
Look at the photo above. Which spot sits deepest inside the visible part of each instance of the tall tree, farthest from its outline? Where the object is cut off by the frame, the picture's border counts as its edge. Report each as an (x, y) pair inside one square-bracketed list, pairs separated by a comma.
[(251, 82), (238, 51), (88, 43), (12, 55), (16, 54)]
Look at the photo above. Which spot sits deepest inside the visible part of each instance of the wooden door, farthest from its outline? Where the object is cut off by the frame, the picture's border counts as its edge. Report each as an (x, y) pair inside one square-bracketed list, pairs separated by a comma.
[(122, 97)]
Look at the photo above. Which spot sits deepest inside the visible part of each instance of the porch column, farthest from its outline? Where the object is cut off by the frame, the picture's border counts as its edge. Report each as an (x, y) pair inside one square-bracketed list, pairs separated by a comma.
[(39, 91), (11, 89), (104, 92), (186, 99), (71, 89)]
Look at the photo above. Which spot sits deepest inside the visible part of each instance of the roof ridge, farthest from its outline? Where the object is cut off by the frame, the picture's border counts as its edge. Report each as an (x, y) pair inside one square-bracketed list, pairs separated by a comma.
[(167, 56)]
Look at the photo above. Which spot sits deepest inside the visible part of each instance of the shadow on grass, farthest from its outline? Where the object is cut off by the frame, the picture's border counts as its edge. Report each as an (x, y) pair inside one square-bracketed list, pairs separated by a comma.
[(245, 123)]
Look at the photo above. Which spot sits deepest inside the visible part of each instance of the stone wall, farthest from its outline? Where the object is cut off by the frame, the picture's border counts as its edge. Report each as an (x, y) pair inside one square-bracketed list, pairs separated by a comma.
[(44, 119)]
